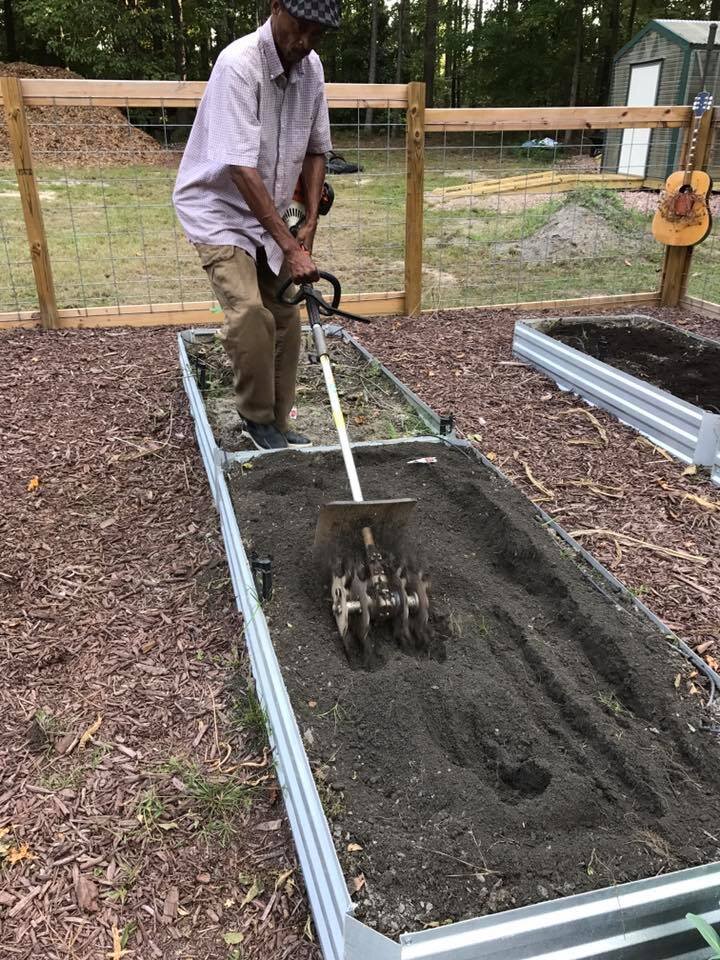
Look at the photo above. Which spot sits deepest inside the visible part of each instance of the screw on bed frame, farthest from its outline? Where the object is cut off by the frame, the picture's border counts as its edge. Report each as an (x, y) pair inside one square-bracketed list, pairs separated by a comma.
[(447, 425), (263, 575), (201, 369)]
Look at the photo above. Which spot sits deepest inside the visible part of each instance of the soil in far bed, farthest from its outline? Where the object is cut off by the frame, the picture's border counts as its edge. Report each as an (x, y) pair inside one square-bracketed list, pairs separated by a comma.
[(374, 409), (684, 365), (546, 754)]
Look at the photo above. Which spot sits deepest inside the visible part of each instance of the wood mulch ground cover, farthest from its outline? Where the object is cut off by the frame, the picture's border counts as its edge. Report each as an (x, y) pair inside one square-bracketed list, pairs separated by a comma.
[(138, 806), (653, 523)]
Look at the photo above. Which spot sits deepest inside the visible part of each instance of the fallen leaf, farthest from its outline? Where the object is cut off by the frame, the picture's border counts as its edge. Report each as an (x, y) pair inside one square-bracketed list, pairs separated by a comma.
[(91, 731), (358, 882), (232, 938), (283, 878), (269, 826), (170, 907), (677, 681), (16, 854), (255, 890), (86, 893), (354, 848), (492, 456), (108, 522), (118, 951), (475, 437), (712, 663), (628, 263), (33, 484), (312, 704), (66, 743), (689, 471)]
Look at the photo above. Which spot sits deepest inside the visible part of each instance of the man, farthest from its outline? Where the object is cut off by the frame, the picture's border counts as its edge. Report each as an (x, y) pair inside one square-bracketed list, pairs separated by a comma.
[(262, 122)]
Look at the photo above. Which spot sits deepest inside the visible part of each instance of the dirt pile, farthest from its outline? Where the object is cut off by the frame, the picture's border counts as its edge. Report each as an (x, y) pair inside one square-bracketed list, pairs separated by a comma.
[(574, 231), (80, 136)]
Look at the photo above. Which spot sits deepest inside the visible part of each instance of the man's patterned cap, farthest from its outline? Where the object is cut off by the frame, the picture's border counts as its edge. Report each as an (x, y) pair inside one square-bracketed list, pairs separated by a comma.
[(326, 12)]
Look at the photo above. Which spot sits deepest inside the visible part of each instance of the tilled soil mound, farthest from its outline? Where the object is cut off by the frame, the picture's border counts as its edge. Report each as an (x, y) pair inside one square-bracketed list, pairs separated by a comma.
[(574, 231), (80, 136), (548, 753)]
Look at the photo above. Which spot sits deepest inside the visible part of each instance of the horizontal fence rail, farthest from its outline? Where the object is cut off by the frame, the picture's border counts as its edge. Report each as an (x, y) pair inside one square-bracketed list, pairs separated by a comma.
[(177, 93), (406, 232)]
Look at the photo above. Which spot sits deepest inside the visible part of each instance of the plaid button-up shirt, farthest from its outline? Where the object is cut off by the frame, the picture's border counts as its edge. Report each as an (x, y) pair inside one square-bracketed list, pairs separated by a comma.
[(252, 115)]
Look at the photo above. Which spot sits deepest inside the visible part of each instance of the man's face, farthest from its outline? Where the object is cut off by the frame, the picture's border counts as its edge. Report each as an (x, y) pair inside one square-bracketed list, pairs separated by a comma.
[(294, 38)]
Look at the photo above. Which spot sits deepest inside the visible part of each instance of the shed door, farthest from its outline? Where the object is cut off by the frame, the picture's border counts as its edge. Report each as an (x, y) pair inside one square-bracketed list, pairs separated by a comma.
[(644, 80)]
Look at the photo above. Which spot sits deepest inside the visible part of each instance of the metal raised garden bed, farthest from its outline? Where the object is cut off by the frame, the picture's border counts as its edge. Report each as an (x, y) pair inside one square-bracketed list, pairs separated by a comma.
[(634, 921), (686, 431)]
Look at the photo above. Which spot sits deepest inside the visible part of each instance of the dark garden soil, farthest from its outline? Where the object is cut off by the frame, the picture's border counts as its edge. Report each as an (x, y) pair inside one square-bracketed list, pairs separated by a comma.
[(373, 408), (548, 752), (685, 365)]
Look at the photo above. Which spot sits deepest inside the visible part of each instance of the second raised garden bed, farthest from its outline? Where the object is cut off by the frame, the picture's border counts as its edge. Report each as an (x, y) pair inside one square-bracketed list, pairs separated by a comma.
[(663, 381)]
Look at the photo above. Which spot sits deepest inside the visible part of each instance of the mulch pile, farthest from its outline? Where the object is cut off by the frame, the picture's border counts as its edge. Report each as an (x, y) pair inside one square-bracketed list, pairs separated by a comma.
[(652, 523), (138, 807), (79, 136)]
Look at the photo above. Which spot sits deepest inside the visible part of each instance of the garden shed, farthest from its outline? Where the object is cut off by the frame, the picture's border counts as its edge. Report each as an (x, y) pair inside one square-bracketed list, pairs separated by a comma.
[(661, 65)]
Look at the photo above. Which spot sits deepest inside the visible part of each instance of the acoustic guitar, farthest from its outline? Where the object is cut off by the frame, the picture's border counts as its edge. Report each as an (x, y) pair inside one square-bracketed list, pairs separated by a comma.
[(683, 217)]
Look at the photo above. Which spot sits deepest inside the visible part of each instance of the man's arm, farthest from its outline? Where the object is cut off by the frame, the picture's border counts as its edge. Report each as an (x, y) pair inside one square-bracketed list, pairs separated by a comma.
[(298, 260), (313, 174)]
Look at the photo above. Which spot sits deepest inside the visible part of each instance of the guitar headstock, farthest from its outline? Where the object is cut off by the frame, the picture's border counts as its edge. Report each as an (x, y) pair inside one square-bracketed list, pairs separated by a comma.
[(702, 103)]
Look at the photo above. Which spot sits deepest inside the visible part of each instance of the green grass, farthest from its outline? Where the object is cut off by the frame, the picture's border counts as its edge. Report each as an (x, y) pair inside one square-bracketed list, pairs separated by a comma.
[(113, 237), (250, 717), (216, 801)]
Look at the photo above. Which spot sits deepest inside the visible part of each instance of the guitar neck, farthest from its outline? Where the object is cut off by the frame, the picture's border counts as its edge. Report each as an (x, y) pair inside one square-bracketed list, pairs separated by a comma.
[(690, 165)]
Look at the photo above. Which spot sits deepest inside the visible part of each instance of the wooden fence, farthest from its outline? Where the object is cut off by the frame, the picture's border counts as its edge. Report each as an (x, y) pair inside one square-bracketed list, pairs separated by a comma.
[(17, 94)]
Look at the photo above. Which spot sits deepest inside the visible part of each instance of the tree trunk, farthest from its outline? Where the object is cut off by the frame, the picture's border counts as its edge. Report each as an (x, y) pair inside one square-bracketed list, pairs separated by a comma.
[(631, 18), (372, 68), (204, 55), (449, 18), (610, 48), (431, 28), (575, 81), (176, 7), (9, 21), (475, 59), (399, 63)]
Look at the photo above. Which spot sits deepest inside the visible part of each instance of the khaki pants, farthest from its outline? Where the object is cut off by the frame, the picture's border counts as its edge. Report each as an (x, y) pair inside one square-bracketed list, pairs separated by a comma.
[(260, 335)]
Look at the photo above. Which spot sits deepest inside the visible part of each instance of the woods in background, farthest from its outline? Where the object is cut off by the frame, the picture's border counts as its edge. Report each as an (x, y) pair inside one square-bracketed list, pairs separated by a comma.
[(468, 52)]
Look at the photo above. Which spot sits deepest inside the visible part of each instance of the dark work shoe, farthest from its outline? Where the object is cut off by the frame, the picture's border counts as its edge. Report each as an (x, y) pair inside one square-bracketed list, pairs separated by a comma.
[(265, 436), (297, 439)]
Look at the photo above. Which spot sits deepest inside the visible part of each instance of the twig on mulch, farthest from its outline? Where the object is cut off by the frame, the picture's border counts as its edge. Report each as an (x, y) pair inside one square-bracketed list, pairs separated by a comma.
[(643, 544)]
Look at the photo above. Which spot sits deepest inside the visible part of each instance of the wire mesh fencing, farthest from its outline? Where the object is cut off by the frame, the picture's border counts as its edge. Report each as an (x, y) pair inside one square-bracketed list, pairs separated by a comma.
[(510, 216), (538, 216), (704, 277), (106, 176)]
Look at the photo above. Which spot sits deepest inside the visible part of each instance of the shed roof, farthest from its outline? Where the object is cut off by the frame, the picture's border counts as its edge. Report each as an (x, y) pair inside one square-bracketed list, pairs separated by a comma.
[(691, 31)]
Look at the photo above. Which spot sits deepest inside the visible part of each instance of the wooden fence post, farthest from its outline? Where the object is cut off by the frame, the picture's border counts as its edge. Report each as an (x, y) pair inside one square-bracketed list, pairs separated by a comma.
[(414, 197), (677, 262), (22, 158)]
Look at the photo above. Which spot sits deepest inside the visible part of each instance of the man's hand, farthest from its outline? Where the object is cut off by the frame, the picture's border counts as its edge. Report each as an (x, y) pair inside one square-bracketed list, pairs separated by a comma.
[(301, 267), (306, 234)]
